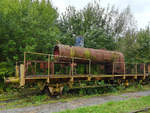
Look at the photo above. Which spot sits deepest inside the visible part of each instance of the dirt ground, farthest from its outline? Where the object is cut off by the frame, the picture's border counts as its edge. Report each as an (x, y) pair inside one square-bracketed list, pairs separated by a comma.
[(81, 102)]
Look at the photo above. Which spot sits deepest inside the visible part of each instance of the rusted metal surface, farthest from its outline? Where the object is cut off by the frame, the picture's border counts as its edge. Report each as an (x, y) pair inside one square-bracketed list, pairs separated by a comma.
[(95, 55), (71, 65)]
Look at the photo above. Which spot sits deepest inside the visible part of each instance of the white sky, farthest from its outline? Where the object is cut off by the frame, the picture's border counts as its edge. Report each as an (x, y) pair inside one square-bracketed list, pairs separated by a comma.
[(139, 8)]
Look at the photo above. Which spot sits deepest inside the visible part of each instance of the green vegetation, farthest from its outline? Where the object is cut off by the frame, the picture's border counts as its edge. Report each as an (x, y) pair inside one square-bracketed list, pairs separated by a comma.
[(36, 26), (104, 90), (124, 106), (15, 98)]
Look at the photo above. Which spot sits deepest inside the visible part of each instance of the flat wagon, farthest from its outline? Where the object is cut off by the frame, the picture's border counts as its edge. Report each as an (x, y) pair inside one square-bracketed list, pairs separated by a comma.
[(70, 66)]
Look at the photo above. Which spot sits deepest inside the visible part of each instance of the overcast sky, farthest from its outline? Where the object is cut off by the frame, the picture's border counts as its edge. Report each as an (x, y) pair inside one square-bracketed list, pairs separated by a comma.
[(139, 8)]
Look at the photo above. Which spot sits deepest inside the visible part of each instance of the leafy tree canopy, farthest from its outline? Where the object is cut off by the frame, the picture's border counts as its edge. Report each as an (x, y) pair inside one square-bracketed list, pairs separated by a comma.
[(26, 26), (101, 27)]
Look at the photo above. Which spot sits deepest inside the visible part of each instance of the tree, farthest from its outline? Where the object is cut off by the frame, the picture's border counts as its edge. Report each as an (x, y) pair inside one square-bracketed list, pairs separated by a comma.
[(136, 46), (127, 45), (143, 45), (26, 26), (99, 26)]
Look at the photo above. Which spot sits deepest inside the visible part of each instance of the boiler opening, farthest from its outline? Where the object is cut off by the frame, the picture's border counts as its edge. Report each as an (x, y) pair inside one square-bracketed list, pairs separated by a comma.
[(56, 50)]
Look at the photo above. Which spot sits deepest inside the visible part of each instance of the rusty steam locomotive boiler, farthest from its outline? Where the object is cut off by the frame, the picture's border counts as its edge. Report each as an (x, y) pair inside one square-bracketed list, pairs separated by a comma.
[(113, 61)]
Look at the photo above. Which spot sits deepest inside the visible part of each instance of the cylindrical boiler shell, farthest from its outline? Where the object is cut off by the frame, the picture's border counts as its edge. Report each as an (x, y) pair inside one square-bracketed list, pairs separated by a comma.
[(95, 55)]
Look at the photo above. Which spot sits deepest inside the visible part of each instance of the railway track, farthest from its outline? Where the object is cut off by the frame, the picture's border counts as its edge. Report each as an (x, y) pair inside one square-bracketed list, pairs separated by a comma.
[(35, 92), (141, 110), (19, 95), (29, 92)]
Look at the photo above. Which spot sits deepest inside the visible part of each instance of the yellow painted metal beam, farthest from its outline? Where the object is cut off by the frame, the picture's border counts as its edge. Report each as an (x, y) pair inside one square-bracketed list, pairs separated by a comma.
[(11, 80)]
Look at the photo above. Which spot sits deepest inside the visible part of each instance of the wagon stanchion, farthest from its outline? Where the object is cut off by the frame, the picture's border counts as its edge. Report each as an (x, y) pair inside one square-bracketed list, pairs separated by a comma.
[(124, 66), (35, 67), (144, 71), (72, 66), (17, 70), (89, 67), (136, 71), (113, 68), (148, 68), (48, 68), (24, 64)]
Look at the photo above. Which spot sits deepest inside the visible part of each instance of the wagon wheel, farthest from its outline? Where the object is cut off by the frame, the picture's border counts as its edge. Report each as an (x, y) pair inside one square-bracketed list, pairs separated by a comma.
[(132, 81), (119, 81), (55, 90), (126, 83)]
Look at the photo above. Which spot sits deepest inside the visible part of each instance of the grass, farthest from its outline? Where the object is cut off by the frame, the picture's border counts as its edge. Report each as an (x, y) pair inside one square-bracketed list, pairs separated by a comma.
[(115, 107), (22, 98), (32, 100)]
